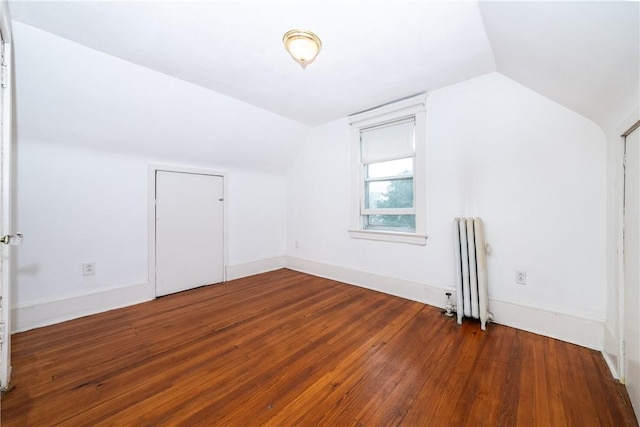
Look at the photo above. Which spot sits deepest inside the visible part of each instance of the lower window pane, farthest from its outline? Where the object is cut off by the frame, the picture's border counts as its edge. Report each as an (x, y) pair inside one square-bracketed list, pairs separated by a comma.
[(391, 222)]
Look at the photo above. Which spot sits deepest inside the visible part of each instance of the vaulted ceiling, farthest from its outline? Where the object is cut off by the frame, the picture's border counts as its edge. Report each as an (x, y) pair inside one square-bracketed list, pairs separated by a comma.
[(583, 55)]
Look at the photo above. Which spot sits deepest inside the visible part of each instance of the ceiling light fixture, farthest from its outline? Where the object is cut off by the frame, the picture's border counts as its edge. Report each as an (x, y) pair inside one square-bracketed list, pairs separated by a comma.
[(303, 46)]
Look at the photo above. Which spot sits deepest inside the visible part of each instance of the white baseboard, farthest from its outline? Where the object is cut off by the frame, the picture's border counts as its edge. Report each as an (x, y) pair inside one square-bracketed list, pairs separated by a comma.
[(402, 288), (36, 314), (566, 327), (612, 364), (563, 326), (611, 352), (256, 267)]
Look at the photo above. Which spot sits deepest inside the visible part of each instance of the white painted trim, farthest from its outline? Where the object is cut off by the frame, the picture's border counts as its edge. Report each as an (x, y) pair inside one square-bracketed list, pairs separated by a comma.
[(619, 218), (399, 287), (151, 213), (35, 314), (403, 107), (414, 106), (411, 238), (620, 177), (7, 192), (580, 330), (588, 332), (612, 365), (611, 358), (563, 326), (620, 149), (255, 267)]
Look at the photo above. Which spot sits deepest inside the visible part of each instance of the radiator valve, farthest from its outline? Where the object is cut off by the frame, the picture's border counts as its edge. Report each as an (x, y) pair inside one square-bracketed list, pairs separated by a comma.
[(449, 308)]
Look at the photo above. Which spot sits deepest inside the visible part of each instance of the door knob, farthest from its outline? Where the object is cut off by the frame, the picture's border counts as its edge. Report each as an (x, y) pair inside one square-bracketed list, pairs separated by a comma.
[(12, 239)]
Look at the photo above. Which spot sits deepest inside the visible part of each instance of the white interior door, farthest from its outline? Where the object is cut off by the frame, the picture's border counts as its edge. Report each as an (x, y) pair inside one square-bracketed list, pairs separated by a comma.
[(189, 231), (6, 188), (631, 318)]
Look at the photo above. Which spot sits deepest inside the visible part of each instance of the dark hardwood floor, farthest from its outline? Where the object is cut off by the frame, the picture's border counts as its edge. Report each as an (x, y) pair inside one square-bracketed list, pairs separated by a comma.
[(285, 348)]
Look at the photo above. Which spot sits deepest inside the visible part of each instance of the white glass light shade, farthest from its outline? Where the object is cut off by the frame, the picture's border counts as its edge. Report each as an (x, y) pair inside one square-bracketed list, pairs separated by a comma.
[(303, 46)]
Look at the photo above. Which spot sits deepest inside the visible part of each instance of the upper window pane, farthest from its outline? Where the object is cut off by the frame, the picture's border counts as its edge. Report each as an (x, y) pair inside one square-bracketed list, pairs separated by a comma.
[(391, 168), (391, 194)]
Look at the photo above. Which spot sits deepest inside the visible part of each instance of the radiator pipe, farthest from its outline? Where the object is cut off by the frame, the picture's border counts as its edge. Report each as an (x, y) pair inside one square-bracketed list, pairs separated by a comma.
[(449, 307)]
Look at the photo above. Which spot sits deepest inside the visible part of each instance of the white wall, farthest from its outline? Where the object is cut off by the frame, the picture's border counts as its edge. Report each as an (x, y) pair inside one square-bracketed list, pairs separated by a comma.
[(78, 205), (532, 169), (88, 125)]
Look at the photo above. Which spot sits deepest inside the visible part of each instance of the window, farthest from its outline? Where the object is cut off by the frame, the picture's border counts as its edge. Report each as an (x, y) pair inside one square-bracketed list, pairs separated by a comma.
[(388, 176), (387, 156)]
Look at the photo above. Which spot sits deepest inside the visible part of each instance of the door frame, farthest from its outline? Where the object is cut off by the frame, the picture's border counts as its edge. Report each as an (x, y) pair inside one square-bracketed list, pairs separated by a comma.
[(7, 192), (624, 130), (151, 214)]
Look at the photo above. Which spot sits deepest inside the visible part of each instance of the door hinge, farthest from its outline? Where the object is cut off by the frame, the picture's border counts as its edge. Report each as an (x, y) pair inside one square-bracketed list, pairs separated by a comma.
[(3, 80)]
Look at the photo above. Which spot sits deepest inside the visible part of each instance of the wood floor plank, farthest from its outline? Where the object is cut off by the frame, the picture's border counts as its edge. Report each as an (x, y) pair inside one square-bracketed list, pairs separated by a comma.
[(487, 379), (394, 389), (175, 367), (285, 348), (284, 357), (339, 385)]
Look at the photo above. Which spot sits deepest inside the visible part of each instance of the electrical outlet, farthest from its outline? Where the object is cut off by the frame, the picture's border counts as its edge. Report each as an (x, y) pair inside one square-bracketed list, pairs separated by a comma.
[(88, 268), (521, 277), (297, 245)]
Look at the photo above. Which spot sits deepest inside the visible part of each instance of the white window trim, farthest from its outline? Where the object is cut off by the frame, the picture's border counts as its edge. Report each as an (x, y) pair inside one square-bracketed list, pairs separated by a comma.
[(413, 106)]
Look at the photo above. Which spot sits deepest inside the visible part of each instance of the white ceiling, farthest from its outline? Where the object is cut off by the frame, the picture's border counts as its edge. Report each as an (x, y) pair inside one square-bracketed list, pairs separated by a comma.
[(583, 55)]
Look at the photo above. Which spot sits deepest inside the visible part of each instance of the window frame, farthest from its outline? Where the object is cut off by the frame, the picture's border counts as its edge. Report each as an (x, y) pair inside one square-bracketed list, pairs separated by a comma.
[(367, 211), (413, 107)]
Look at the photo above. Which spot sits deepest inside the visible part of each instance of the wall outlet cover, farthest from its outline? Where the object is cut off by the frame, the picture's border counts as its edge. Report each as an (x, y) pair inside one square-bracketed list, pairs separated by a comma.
[(88, 268)]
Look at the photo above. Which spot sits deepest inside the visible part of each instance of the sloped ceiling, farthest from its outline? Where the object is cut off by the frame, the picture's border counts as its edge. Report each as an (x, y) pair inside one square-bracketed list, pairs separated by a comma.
[(582, 55)]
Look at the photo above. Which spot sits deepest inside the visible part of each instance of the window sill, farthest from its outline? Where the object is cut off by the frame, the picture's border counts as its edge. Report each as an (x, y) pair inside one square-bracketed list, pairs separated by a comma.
[(390, 236)]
